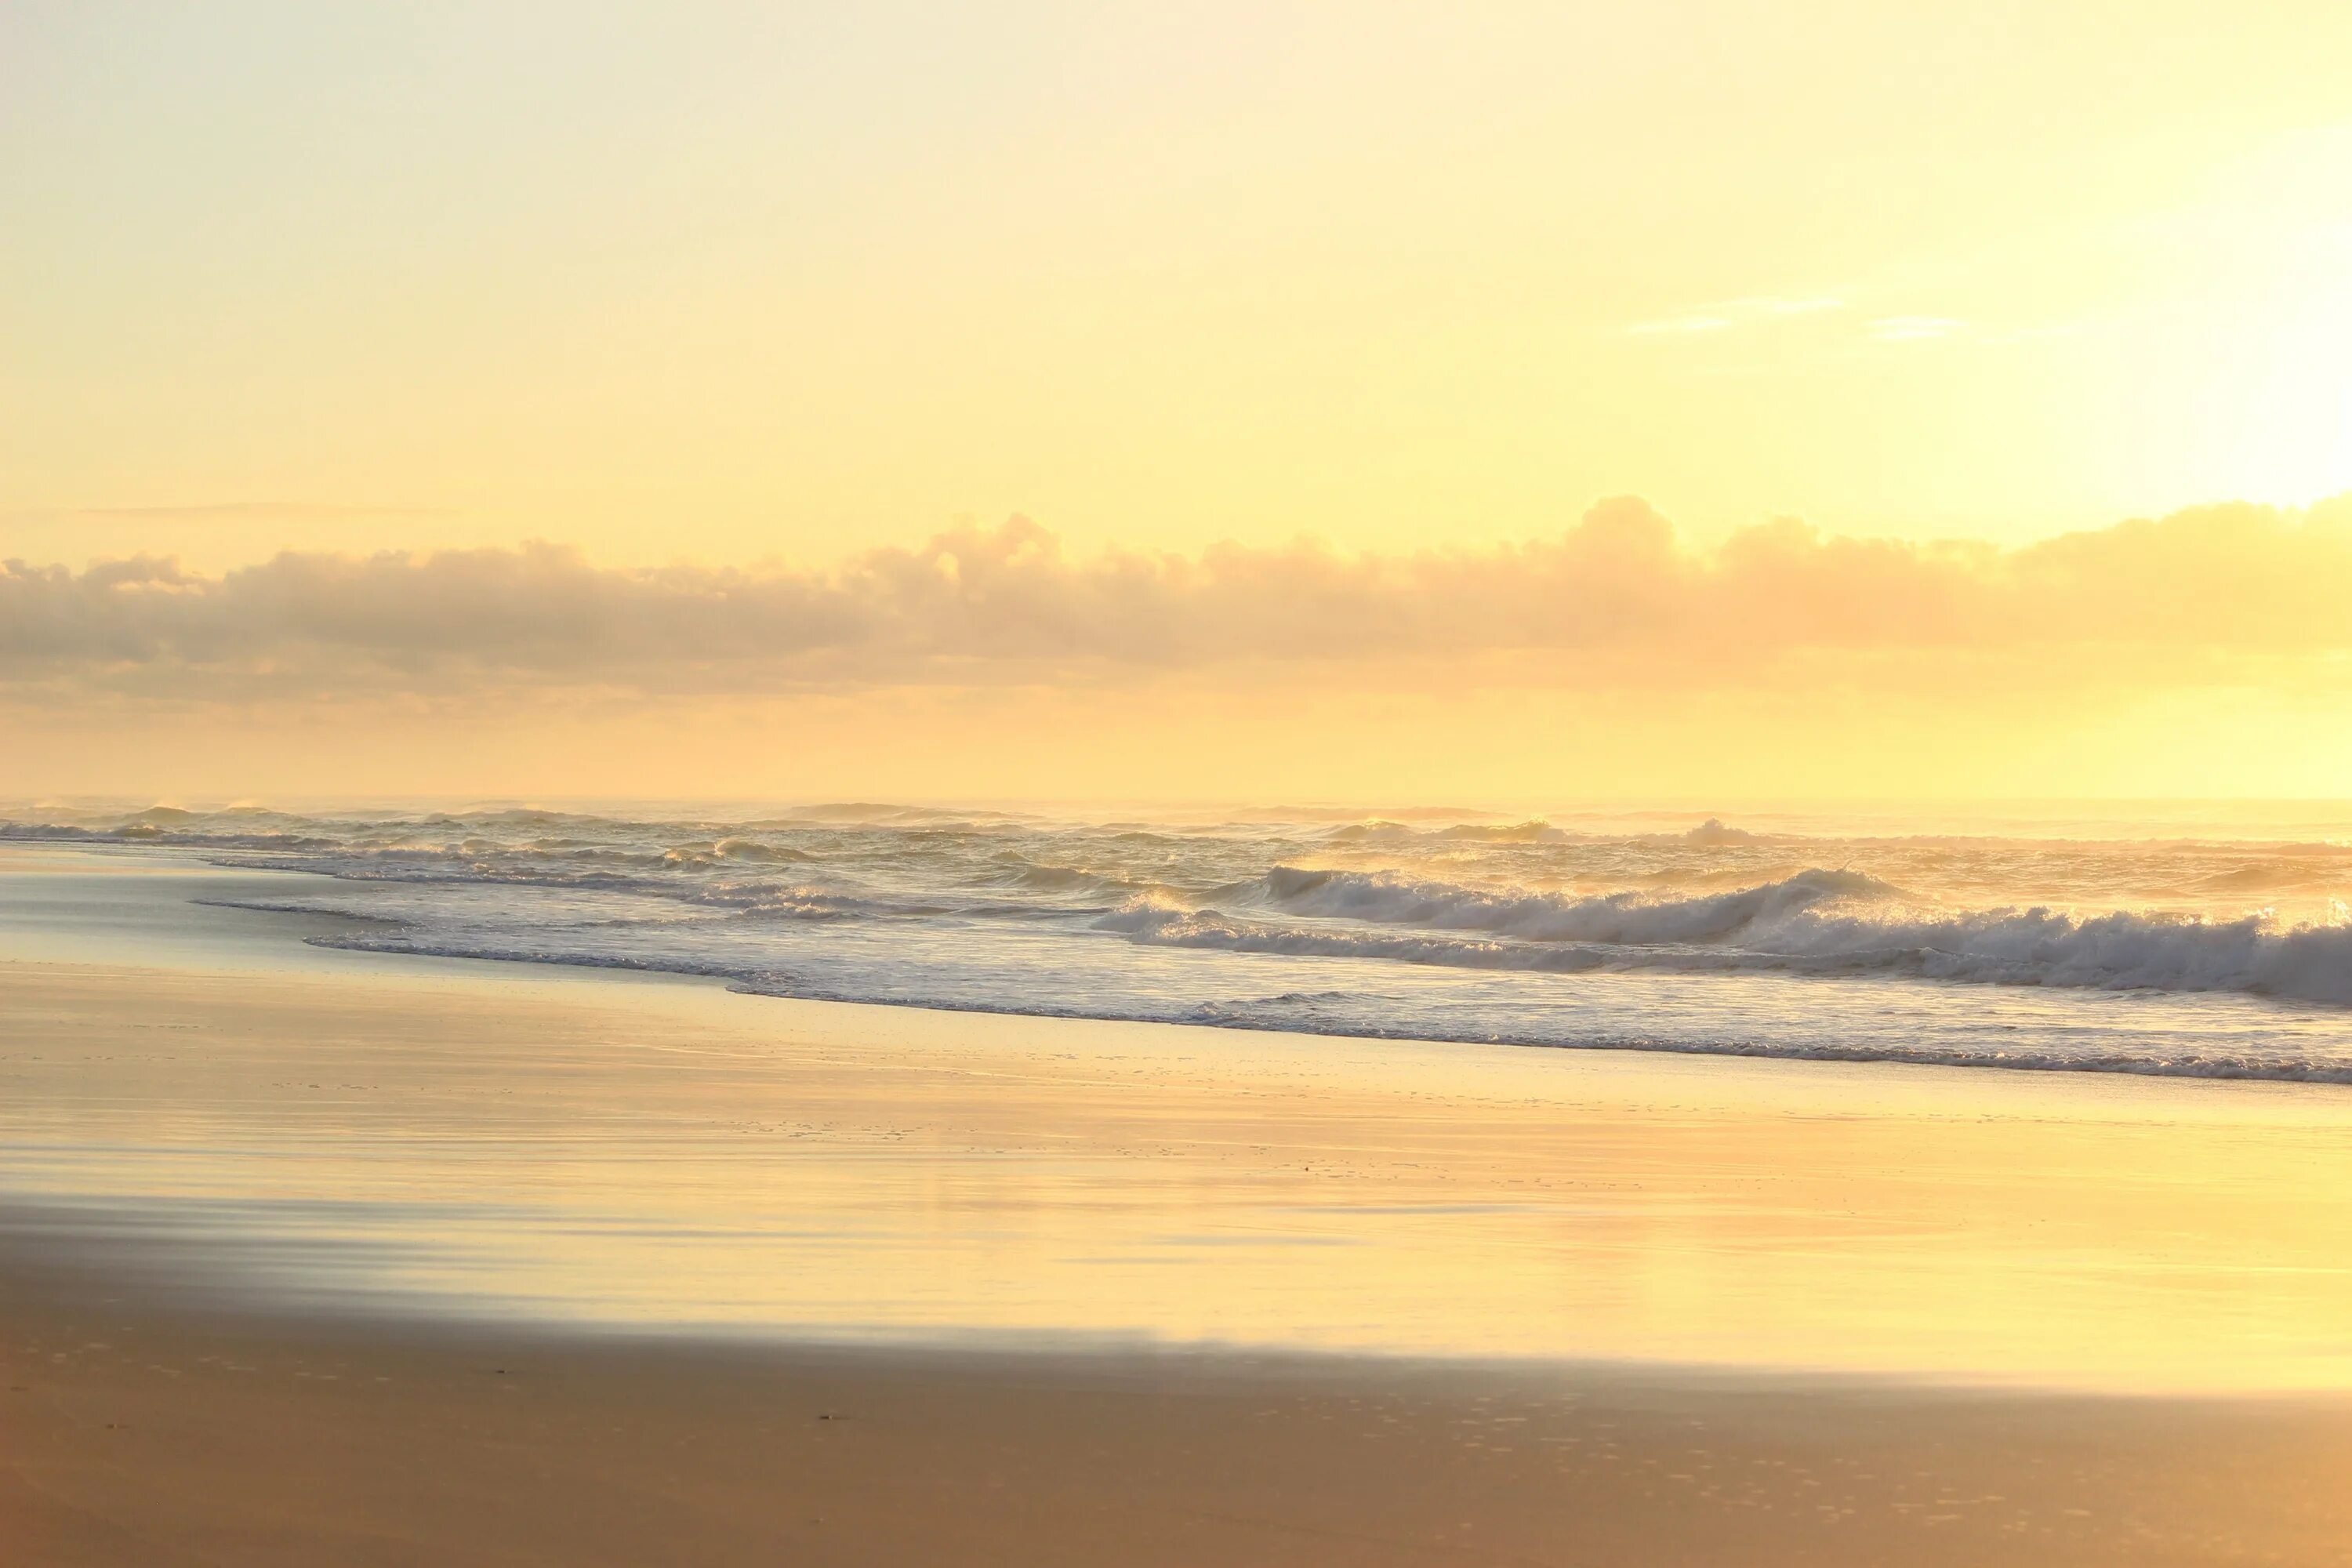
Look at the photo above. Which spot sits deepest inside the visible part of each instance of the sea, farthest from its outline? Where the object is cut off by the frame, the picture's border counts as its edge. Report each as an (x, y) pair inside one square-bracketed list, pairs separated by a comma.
[(2178, 939)]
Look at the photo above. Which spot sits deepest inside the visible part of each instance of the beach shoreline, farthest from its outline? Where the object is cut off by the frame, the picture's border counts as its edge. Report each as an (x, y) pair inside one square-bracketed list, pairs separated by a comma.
[(309, 1255)]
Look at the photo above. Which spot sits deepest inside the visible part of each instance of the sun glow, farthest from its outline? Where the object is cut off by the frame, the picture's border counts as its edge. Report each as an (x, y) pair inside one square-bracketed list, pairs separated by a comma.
[(807, 296)]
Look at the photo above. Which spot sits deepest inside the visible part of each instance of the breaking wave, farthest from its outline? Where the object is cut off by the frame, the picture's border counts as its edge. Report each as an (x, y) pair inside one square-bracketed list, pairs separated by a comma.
[(1818, 921), (1621, 917)]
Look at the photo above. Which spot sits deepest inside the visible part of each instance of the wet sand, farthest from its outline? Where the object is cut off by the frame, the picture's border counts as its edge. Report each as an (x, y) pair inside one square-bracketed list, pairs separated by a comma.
[(311, 1257), (137, 1435)]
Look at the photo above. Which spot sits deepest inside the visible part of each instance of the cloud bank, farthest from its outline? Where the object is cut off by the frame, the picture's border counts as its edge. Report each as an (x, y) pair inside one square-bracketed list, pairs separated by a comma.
[(1615, 600)]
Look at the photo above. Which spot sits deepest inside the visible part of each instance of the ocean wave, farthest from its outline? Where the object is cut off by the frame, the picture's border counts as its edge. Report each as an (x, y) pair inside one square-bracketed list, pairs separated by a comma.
[(1386, 897), (735, 851), (1283, 1013), (1378, 829), (1712, 831), (1816, 923), (151, 835), (1533, 831), (1207, 929), (1017, 871)]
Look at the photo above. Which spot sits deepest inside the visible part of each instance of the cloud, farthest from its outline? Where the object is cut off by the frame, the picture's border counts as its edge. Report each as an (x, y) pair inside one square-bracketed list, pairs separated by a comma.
[(1615, 602)]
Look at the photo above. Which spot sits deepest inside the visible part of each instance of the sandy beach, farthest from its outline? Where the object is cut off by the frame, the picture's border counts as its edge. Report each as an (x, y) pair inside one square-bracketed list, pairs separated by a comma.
[(138, 1434), (1225, 785), (325, 1256)]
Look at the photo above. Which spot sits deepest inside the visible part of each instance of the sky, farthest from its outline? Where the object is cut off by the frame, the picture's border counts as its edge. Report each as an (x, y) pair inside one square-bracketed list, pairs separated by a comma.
[(1701, 399)]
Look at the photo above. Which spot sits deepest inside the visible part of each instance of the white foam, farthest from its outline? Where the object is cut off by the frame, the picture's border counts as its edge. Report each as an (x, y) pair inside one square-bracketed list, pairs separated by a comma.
[(1817, 921)]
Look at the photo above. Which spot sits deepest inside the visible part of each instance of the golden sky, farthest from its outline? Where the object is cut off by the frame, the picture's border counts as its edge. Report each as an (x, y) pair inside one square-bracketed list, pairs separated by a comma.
[(765, 318)]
